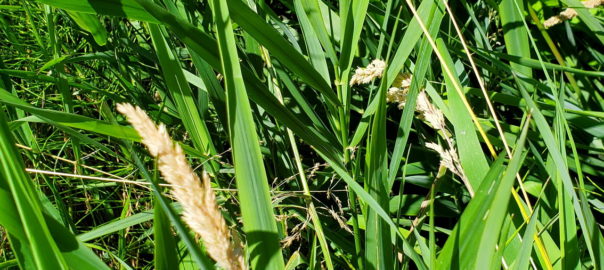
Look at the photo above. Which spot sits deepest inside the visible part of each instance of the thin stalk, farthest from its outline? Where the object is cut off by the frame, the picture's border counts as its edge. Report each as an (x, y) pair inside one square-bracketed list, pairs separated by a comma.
[(552, 46), (292, 141), (481, 83), (449, 74)]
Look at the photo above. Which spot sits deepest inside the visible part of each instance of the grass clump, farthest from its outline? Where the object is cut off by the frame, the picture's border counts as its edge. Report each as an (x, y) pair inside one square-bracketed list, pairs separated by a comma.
[(327, 134)]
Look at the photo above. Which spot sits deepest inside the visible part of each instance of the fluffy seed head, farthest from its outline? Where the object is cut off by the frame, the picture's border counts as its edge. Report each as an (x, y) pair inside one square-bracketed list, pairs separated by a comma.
[(448, 158), (397, 93), (201, 211), (428, 112), (367, 74), (570, 13)]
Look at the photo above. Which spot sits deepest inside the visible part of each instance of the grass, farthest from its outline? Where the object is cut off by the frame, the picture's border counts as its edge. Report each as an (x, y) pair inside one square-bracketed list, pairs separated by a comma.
[(309, 171)]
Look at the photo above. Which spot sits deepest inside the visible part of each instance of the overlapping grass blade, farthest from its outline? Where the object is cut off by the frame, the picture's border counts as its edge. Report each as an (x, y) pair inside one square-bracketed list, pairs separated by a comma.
[(25, 220), (473, 242), (182, 95), (252, 184), (378, 247), (472, 159), (592, 235)]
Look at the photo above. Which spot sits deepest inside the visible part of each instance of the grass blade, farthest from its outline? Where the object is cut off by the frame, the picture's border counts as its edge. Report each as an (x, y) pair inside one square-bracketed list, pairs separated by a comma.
[(252, 184), (27, 215)]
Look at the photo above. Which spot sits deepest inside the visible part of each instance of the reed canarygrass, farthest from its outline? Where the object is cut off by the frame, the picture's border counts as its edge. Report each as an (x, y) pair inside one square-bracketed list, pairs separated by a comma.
[(201, 211), (570, 13)]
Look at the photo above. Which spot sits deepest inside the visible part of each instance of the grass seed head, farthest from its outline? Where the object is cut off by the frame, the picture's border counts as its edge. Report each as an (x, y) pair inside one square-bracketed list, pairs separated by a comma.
[(367, 74), (570, 13), (201, 212)]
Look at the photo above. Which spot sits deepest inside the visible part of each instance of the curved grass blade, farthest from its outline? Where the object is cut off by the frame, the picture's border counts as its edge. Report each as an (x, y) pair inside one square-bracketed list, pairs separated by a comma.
[(182, 95), (268, 37), (91, 24), (22, 201)]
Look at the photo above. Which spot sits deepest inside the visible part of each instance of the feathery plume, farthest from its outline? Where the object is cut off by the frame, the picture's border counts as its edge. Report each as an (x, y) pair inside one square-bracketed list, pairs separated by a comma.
[(429, 113), (402, 80), (201, 211), (397, 93), (367, 74), (448, 158), (570, 13)]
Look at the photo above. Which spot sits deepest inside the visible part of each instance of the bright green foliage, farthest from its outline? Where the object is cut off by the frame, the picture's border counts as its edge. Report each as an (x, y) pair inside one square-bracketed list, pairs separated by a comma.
[(310, 171)]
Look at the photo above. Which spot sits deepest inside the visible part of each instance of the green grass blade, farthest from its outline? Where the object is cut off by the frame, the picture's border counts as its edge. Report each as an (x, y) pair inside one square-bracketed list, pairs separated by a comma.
[(378, 247), (17, 185), (522, 261), (472, 243), (166, 250), (472, 158), (516, 36), (569, 241), (91, 24), (252, 184), (352, 16), (514, 33), (182, 95), (316, 54)]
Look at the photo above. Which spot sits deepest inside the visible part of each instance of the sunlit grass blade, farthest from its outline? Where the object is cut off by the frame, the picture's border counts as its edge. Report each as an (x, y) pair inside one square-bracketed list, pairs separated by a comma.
[(378, 247), (252, 184), (473, 241), (514, 33), (472, 159), (182, 95), (92, 25), (24, 216)]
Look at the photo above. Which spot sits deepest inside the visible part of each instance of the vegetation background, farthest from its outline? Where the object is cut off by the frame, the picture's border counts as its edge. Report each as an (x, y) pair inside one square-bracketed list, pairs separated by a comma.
[(310, 172)]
